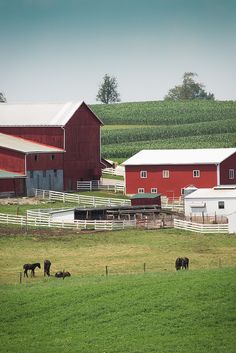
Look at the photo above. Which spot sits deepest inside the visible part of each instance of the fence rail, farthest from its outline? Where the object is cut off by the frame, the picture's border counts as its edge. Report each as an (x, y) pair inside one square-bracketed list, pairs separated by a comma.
[(44, 220), (201, 228), (113, 171), (92, 201), (98, 185)]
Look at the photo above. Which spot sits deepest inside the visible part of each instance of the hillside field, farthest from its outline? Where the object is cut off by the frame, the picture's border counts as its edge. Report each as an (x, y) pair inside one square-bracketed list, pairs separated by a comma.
[(130, 127), (128, 311)]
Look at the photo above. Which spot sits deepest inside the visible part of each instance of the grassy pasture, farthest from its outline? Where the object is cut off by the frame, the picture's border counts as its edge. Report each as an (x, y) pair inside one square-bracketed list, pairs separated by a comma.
[(124, 252), (160, 311)]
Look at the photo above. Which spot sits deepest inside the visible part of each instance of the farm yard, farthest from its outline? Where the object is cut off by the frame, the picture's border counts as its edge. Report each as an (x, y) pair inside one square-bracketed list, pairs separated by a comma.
[(130, 127), (130, 311)]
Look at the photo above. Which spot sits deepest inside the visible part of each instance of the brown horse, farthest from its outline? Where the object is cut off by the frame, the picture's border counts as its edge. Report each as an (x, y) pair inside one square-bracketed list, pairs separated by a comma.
[(30, 267)]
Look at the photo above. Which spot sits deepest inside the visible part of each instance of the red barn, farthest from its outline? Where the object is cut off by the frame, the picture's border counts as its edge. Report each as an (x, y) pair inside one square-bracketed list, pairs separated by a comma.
[(71, 128), (170, 171)]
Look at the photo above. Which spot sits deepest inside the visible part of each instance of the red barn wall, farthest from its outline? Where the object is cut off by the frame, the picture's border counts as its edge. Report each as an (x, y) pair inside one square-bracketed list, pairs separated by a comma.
[(229, 163), (44, 161), (180, 176), (82, 159), (12, 161), (17, 186), (51, 136)]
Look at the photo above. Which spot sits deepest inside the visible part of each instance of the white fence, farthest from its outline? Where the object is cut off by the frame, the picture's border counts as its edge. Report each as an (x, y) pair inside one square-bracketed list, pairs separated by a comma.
[(201, 228), (91, 201), (114, 171), (46, 221), (97, 185), (176, 205)]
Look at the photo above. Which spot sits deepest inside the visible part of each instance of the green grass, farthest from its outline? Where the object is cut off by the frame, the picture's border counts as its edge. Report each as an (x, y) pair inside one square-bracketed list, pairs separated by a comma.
[(130, 127), (164, 312)]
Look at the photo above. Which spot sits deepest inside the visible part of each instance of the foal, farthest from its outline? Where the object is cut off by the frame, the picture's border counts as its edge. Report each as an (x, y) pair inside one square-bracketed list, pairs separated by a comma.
[(30, 267)]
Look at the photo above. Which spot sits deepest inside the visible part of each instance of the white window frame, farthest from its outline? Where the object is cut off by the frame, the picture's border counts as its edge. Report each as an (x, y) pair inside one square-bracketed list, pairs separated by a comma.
[(143, 174), (141, 191), (153, 190), (231, 173), (196, 173), (165, 173)]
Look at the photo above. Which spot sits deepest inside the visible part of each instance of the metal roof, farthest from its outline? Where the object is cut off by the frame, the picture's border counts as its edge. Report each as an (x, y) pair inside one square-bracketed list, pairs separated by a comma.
[(145, 196), (183, 156), (211, 194), (4, 174), (25, 146), (49, 114)]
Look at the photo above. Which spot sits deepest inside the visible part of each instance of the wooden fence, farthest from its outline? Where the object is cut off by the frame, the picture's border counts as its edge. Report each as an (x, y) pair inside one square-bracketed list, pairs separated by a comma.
[(44, 220), (201, 228), (90, 201), (97, 185), (113, 171)]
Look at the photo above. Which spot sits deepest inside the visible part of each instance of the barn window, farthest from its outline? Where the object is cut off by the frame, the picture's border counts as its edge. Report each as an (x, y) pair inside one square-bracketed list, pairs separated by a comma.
[(196, 173), (55, 172), (231, 173), (31, 174), (44, 173), (52, 157), (140, 190), (221, 205), (165, 174), (153, 190), (143, 174), (36, 157)]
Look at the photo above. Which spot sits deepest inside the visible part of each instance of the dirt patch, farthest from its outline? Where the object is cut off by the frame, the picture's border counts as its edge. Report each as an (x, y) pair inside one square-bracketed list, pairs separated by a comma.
[(21, 201)]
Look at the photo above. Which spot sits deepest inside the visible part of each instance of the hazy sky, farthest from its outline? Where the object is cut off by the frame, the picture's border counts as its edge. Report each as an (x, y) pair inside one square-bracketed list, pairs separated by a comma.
[(59, 50)]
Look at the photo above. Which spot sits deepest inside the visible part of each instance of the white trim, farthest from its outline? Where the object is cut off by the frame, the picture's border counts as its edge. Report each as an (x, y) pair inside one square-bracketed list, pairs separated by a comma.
[(196, 173), (231, 174), (165, 173), (218, 174), (141, 191), (153, 192), (143, 174)]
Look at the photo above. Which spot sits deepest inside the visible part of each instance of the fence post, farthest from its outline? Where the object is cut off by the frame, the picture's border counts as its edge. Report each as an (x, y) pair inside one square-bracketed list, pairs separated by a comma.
[(144, 267), (20, 277), (106, 271)]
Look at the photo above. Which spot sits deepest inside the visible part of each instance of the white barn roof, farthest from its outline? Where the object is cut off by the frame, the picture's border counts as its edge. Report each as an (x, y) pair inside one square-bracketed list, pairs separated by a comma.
[(50, 114), (212, 193), (25, 146), (180, 157)]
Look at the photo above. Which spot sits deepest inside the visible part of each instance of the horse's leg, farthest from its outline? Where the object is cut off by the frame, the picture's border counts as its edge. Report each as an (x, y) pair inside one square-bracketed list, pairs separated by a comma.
[(25, 273)]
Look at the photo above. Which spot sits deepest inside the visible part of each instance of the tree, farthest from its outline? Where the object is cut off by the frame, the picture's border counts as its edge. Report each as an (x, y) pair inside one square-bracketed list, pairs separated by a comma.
[(2, 98), (190, 89), (107, 92)]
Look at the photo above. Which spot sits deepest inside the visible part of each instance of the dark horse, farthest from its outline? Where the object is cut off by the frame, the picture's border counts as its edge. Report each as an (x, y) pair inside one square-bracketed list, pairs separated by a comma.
[(47, 265), (62, 274), (182, 263), (30, 267)]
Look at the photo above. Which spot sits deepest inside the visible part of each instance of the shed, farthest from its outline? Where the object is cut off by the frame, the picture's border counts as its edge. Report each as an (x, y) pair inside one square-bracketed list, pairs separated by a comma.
[(146, 199)]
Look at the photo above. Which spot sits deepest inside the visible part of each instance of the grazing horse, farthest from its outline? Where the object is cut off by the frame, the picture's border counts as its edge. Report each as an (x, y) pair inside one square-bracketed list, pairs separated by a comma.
[(47, 265), (182, 263), (30, 267), (62, 274)]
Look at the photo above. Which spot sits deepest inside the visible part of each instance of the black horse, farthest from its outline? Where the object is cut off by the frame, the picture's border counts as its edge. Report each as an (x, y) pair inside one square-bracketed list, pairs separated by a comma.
[(62, 274), (30, 267), (182, 263), (47, 265)]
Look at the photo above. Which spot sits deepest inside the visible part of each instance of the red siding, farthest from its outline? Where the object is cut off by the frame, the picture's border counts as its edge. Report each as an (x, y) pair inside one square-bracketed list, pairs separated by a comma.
[(13, 161), (146, 201), (44, 161), (51, 136), (13, 185), (82, 157), (179, 177), (229, 163)]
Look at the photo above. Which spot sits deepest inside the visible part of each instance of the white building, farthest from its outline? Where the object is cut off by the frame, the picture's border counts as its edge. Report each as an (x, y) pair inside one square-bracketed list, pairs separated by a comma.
[(218, 201)]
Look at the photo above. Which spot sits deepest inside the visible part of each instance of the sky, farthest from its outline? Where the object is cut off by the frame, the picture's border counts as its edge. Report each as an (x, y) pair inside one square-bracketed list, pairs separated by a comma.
[(60, 50)]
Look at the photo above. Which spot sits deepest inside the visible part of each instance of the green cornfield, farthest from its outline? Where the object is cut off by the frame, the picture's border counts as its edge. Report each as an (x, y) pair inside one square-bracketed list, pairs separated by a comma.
[(130, 127)]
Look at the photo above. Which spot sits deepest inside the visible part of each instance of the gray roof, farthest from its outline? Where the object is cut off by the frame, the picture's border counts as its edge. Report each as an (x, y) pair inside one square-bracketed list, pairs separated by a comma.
[(4, 174), (25, 146), (49, 114)]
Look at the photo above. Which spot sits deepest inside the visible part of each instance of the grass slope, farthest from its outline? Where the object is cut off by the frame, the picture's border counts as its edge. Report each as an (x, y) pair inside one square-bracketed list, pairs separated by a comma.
[(161, 313), (130, 127)]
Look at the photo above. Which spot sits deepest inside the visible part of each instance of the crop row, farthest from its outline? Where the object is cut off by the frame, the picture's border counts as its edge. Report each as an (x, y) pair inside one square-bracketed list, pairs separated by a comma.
[(164, 112), (163, 132), (127, 149)]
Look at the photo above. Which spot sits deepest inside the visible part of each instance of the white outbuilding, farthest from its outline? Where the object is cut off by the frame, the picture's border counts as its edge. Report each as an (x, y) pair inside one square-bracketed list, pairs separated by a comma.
[(218, 201)]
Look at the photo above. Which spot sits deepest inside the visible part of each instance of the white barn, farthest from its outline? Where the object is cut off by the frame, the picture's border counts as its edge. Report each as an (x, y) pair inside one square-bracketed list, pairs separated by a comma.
[(218, 201)]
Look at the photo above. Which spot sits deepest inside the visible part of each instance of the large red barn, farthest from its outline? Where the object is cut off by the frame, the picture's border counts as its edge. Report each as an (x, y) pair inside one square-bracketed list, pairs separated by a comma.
[(71, 128), (170, 171)]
